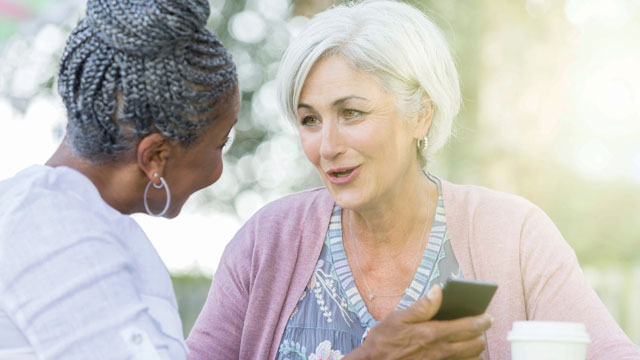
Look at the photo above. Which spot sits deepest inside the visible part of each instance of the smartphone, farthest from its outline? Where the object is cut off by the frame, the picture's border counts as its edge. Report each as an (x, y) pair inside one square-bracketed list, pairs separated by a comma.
[(461, 298)]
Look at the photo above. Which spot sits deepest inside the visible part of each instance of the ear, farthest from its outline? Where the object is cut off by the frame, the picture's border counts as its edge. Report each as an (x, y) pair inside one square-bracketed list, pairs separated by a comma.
[(423, 121), (152, 154)]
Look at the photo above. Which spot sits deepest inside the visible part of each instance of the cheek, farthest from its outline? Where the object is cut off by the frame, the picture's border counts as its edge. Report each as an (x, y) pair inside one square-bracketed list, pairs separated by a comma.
[(310, 146), (216, 170)]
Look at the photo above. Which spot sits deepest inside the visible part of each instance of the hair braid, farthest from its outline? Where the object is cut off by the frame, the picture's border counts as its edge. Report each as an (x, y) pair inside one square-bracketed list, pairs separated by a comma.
[(134, 67)]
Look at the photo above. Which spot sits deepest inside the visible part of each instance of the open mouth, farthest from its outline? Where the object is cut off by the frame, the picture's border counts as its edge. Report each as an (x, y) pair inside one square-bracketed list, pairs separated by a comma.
[(341, 173)]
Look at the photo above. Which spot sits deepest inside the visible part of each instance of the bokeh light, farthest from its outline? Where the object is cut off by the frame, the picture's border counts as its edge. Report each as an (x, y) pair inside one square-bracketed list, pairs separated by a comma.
[(609, 13), (274, 10), (248, 26)]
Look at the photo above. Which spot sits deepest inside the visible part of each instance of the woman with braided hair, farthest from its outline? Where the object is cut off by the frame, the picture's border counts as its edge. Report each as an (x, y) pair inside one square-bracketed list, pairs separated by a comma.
[(151, 96)]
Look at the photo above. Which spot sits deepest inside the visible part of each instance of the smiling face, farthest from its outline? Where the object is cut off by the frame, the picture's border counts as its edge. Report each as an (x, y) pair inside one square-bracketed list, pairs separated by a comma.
[(354, 134)]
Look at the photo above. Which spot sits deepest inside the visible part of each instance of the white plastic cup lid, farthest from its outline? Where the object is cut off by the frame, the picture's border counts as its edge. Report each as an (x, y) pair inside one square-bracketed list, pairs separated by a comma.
[(554, 331)]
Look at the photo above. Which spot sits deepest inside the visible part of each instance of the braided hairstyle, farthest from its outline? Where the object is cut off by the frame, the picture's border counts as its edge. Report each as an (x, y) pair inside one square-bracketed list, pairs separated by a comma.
[(134, 67)]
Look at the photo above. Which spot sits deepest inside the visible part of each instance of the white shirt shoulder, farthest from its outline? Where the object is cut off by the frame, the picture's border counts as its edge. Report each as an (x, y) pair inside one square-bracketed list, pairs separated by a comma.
[(77, 276)]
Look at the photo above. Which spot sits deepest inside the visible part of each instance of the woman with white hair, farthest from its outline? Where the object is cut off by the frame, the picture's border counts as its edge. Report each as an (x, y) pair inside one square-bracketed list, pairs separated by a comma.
[(373, 90)]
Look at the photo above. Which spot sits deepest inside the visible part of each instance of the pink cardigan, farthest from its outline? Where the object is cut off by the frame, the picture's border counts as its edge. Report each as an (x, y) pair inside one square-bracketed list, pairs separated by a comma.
[(495, 236)]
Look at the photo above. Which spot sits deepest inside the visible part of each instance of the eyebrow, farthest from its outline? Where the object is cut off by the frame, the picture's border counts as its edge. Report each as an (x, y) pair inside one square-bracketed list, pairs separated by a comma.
[(335, 103)]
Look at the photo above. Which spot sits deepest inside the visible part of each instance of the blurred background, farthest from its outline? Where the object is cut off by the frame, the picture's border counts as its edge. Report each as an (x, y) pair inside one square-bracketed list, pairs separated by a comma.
[(551, 112)]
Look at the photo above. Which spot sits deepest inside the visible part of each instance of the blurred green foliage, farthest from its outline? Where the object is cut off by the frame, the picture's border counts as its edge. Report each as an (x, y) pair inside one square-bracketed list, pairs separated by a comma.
[(191, 292)]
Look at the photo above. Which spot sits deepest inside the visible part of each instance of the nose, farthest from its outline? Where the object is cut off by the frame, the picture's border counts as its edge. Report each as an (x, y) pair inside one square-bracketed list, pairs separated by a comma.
[(331, 144)]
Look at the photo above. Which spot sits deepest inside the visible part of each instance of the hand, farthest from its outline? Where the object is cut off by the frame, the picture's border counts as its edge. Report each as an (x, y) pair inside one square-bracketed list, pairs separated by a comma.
[(409, 334)]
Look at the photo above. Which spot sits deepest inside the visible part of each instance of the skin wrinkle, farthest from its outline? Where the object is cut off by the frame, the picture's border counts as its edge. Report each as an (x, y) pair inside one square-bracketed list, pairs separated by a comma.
[(118, 88)]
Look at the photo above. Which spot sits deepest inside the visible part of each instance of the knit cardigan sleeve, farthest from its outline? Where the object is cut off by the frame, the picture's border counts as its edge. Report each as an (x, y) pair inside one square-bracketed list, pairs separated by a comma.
[(557, 290), (507, 239), (217, 332)]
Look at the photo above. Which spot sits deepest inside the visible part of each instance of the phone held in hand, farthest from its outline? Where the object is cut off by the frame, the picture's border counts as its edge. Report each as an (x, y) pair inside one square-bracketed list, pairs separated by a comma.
[(462, 298)]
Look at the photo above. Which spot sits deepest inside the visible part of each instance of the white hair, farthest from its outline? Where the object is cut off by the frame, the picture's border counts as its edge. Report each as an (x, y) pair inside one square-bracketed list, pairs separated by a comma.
[(397, 44)]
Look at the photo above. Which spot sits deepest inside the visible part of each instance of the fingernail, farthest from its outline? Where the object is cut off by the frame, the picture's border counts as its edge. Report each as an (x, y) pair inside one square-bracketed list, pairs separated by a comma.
[(485, 320), (432, 293), (489, 319)]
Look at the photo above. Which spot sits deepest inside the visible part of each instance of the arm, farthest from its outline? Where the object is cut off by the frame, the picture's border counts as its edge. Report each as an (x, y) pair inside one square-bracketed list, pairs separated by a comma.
[(556, 289), (408, 334), (75, 298)]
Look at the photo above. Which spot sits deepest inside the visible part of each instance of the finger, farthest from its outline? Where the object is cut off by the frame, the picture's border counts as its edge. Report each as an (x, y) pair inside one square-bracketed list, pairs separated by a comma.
[(423, 309), (467, 349), (462, 329)]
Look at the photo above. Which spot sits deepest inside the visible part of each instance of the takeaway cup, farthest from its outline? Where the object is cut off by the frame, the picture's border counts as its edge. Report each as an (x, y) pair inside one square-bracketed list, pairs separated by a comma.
[(548, 340)]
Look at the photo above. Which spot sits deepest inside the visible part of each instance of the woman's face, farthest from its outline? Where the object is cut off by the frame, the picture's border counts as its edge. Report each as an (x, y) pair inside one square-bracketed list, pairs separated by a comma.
[(354, 134), (195, 167)]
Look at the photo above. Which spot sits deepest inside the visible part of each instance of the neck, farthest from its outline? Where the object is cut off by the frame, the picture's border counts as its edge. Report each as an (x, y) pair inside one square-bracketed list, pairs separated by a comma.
[(116, 182), (397, 220)]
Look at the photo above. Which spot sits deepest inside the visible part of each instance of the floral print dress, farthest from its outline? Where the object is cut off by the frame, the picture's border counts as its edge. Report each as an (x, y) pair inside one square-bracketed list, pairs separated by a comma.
[(331, 319)]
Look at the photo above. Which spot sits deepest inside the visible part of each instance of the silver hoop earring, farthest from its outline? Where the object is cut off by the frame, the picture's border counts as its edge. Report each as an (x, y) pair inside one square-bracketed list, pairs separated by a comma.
[(167, 191)]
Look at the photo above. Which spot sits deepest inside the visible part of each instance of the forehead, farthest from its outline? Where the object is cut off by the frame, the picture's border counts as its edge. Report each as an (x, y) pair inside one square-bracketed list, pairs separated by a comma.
[(229, 103), (332, 77), (225, 113)]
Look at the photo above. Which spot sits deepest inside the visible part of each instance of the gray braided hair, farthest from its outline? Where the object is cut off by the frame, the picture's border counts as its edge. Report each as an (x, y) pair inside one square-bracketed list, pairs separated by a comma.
[(134, 67)]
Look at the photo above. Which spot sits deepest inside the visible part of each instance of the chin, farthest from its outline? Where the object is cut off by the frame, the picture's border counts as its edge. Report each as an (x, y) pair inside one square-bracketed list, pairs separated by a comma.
[(352, 200), (176, 207), (172, 213)]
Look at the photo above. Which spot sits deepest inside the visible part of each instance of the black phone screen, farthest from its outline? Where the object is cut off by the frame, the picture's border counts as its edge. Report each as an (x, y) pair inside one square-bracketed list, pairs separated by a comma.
[(461, 298)]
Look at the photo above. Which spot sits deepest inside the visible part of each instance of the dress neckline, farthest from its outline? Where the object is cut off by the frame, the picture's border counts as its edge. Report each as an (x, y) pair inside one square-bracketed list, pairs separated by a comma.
[(421, 278)]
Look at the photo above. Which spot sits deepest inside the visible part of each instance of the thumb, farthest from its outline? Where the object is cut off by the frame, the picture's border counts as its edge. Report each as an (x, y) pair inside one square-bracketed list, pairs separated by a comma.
[(425, 308)]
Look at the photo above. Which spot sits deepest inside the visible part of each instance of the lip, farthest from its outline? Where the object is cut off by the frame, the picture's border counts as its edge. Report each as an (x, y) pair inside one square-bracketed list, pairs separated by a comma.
[(342, 180)]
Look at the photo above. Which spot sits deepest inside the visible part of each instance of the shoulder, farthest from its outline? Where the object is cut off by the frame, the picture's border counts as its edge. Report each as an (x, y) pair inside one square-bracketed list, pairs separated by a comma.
[(290, 225), (481, 197), (40, 194), (465, 203), (58, 227), (46, 209), (498, 223), (495, 221), (291, 209)]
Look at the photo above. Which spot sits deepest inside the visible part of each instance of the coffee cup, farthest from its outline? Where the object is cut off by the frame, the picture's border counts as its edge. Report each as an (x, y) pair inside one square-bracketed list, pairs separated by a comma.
[(548, 340)]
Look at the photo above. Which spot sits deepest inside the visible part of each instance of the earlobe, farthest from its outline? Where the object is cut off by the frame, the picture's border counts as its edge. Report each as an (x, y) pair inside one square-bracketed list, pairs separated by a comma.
[(423, 122), (152, 154)]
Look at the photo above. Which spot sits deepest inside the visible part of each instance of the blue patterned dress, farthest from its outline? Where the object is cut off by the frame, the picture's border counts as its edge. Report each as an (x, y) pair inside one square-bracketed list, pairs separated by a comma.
[(331, 319)]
